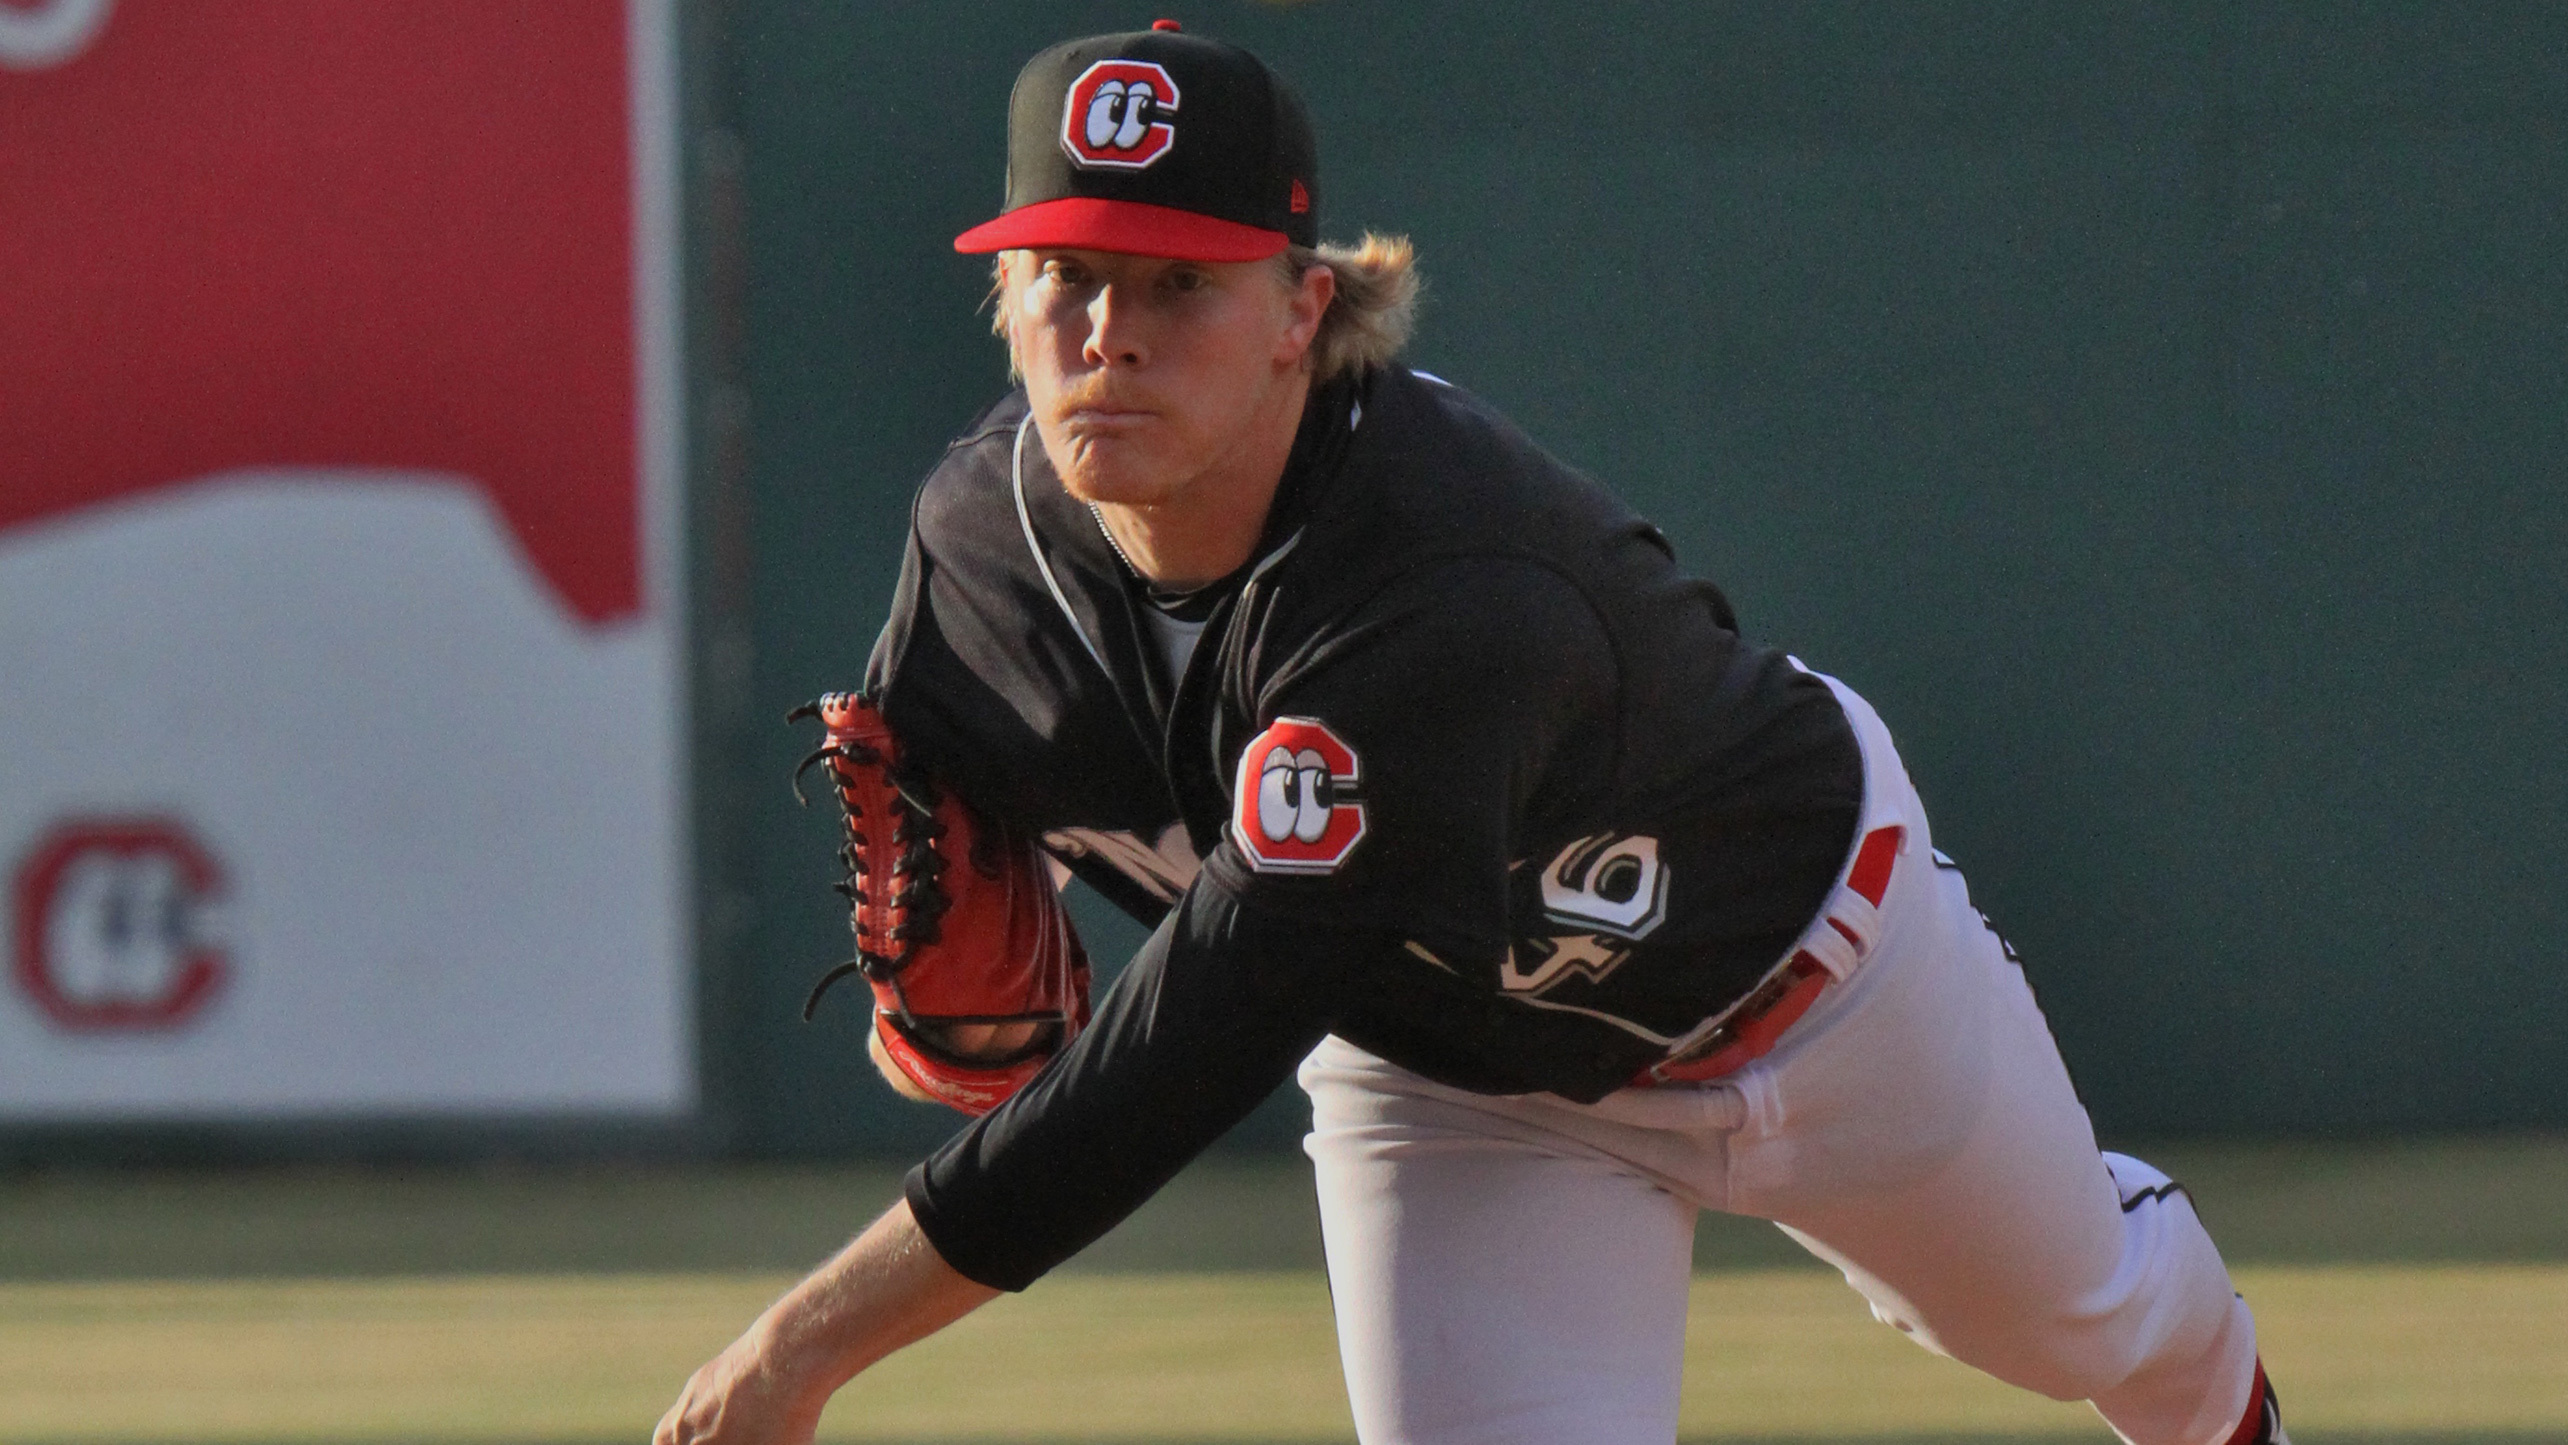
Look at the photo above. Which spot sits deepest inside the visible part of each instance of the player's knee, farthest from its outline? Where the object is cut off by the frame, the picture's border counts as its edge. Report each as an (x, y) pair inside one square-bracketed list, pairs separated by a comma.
[(2077, 1351), (2049, 1357)]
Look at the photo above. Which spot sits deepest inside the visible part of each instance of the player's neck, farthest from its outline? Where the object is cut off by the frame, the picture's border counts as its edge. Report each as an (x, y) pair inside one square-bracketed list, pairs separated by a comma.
[(1209, 528)]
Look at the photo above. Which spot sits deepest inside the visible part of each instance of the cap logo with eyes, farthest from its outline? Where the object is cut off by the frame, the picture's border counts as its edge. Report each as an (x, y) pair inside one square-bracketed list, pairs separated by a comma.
[(1120, 115), (1096, 160)]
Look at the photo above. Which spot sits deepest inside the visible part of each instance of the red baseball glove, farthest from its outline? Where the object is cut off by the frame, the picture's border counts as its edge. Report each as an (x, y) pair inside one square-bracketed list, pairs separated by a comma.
[(978, 977)]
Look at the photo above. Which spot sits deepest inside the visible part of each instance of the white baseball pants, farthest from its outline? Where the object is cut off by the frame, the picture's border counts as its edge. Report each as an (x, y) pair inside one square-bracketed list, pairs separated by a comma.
[(1513, 1270)]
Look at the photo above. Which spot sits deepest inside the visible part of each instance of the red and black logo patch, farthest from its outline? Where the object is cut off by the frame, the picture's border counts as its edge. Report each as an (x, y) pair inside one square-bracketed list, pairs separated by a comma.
[(1120, 115), (1295, 804)]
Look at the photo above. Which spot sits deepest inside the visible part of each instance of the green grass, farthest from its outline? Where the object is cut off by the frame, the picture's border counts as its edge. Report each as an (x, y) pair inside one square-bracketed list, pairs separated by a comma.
[(2408, 1292), (2500, 1200), (2370, 1352)]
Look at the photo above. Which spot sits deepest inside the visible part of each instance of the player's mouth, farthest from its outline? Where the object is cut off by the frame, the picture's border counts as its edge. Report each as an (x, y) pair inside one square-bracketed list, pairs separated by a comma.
[(1105, 417)]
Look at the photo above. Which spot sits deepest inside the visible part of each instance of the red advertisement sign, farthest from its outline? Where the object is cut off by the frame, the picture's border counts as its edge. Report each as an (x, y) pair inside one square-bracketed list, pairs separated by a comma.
[(333, 233), (338, 505)]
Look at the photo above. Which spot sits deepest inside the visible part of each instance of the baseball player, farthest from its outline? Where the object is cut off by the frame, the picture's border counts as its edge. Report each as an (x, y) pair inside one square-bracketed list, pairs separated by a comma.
[(1439, 781)]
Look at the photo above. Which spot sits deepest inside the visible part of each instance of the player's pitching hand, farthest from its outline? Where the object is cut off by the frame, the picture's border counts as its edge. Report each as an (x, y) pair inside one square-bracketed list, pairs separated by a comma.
[(884, 1290), (745, 1396)]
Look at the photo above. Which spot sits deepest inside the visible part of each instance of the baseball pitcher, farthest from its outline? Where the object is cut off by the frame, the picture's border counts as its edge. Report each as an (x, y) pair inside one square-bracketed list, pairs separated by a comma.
[(1443, 785)]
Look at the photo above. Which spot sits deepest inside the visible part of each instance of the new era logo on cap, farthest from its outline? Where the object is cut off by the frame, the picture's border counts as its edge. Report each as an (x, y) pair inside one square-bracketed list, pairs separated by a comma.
[(1118, 115)]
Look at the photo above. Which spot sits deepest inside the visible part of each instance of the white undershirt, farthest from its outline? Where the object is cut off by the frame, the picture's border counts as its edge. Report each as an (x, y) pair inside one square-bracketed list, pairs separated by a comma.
[(1176, 639), (1175, 636)]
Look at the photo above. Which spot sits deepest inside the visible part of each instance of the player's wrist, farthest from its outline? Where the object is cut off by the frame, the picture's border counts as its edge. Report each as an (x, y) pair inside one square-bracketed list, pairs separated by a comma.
[(887, 1289), (801, 1359)]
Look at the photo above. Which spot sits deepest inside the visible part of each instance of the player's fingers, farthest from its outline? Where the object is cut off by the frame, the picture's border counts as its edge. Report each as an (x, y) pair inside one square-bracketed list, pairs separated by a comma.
[(729, 1401), (687, 1421)]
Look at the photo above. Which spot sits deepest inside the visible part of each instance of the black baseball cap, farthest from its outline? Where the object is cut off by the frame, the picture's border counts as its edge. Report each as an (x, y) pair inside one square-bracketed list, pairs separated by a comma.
[(1156, 143)]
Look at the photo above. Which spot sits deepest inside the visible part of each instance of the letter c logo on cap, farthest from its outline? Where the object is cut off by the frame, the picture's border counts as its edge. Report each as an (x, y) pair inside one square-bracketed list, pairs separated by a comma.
[(1295, 807), (1118, 115)]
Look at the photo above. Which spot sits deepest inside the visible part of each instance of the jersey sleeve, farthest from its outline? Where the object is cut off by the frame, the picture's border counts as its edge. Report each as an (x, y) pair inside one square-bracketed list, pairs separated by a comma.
[(1213, 1014), (1395, 767)]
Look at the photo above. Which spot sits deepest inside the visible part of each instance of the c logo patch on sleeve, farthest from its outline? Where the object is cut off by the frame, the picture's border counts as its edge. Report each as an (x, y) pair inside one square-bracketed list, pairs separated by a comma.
[(1295, 806)]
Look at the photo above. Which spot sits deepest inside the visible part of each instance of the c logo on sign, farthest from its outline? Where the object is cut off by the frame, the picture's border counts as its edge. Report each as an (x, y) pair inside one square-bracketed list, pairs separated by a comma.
[(1295, 807), (1117, 116), (116, 925)]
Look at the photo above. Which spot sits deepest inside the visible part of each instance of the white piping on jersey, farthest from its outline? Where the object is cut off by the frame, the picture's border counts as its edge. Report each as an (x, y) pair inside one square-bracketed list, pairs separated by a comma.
[(1052, 584), (1025, 520), (1271, 558)]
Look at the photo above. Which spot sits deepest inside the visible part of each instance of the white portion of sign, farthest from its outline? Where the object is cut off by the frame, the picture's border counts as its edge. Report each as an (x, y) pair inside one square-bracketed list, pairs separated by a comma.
[(447, 815), (118, 932), (49, 32)]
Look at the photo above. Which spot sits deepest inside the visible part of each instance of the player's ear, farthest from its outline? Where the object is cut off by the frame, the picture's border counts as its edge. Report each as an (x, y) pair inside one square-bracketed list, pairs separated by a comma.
[(1309, 301)]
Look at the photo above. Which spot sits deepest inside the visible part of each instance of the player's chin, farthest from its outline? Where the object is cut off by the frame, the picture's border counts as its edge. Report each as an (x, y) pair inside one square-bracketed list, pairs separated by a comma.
[(1116, 471)]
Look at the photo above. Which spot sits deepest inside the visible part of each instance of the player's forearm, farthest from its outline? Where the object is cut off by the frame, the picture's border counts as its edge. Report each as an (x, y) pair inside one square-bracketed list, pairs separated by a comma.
[(768, 1388), (887, 1289)]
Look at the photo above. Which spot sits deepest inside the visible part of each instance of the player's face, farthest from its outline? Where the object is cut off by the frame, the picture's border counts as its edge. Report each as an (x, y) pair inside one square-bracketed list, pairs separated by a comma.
[(1149, 376)]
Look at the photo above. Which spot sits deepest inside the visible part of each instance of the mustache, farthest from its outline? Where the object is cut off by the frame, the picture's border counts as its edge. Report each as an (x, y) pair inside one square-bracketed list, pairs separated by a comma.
[(1097, 398)]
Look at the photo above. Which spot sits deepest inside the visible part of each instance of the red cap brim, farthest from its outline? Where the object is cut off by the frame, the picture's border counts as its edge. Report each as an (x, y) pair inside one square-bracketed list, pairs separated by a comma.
[(1088, 223)]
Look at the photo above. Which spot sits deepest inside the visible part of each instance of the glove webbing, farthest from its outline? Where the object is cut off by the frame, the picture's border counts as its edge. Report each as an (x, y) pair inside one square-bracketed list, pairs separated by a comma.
[(913, 891)]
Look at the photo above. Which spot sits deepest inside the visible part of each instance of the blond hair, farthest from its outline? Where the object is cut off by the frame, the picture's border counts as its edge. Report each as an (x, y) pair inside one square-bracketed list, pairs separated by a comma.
[(1376, 306), (1368, 321)]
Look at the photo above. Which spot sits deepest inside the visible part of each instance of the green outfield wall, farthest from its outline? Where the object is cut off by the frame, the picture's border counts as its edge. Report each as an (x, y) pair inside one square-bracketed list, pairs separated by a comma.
[(2158, 410)]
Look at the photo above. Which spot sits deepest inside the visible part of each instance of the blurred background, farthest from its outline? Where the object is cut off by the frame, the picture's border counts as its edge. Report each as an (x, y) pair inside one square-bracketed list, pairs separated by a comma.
[(439, 441)]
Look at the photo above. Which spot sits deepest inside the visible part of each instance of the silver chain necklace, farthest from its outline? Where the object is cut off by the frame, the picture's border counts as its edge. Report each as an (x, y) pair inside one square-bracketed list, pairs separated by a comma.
[(1120, 555)]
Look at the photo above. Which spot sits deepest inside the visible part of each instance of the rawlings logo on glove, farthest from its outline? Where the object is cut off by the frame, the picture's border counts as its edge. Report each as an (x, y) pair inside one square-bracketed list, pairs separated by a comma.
[(977, 975)]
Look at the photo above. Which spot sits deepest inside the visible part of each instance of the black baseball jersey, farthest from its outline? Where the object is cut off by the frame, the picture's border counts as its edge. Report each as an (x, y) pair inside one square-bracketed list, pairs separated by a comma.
[(1459, 767)]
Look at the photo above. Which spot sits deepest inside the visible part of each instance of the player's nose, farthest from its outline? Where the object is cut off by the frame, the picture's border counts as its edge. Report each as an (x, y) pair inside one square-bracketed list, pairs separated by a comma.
[(1114, 331)]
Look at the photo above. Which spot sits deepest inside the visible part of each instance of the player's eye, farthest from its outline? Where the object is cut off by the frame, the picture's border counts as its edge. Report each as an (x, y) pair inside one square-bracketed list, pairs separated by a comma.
[(1186, 279)]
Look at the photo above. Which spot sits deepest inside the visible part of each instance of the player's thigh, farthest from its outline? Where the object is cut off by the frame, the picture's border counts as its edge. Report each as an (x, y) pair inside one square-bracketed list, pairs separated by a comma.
[(1492, 1286), (2051, 1273), (2017, 1253)]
